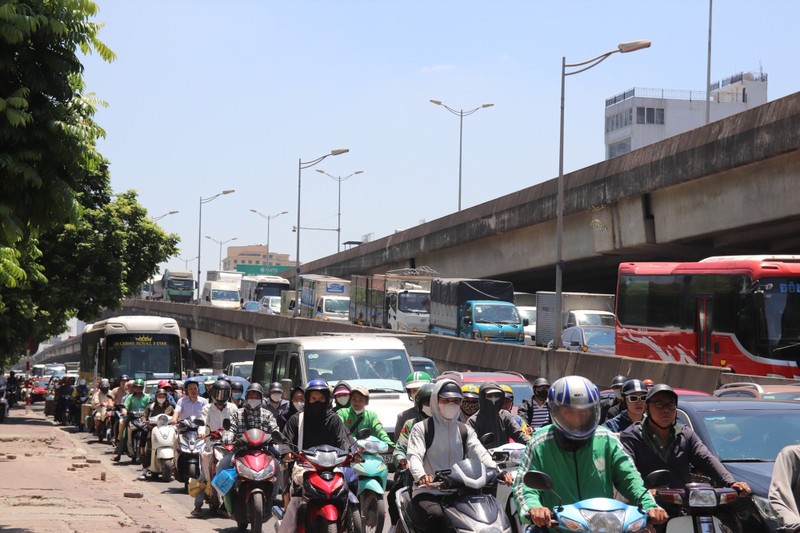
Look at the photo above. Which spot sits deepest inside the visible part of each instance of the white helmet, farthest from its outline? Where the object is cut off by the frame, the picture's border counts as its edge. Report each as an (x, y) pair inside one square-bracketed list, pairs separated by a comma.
[(104, 384), (575, 407), (82, 382)]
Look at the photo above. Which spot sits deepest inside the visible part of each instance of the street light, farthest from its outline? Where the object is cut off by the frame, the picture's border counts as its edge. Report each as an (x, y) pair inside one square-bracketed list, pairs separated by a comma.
[(339, 179), (461, 114), (300, 166), (220, 247), (159, 217), (186, 261), (268, 217), (630, 46), (200, 230)]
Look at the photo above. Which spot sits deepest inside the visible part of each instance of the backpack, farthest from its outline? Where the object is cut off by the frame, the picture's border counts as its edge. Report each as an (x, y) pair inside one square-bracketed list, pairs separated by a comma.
[(430, 433)]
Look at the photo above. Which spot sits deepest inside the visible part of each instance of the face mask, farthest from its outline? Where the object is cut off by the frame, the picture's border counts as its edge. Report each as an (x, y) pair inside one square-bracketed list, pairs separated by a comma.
[(496, 401), (298, 406), (276, 397), (542, 394), (237, 395), (161, 400), (316, 408), (254, 403), (342, 400), (450, 410), (358, 411), (427, 410)]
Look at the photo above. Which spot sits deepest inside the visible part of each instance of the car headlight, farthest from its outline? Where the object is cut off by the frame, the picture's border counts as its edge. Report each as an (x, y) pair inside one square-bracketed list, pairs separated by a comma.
[(765, 508)]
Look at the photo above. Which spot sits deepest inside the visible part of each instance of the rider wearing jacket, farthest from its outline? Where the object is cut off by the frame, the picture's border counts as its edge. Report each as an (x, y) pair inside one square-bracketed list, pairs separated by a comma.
[(357, 416), (414, 381), (490, 418), (159, 406), (634, 393), (583, 460), (101, 401)]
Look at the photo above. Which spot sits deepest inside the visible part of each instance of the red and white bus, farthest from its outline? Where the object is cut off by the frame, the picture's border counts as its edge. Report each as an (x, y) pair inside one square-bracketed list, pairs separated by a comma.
[(736, 312)]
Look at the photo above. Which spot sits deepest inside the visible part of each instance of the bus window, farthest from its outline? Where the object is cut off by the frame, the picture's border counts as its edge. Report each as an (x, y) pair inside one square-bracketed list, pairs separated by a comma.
[(263, 363), (294, 370)]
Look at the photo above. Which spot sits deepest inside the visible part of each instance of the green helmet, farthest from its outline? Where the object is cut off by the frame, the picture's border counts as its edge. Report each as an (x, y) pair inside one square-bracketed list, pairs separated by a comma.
[(138, 382), (416, 379), (423, 395)]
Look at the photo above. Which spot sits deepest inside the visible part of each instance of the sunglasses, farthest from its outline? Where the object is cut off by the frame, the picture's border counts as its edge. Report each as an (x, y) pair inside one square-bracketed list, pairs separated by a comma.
[(635, 398)]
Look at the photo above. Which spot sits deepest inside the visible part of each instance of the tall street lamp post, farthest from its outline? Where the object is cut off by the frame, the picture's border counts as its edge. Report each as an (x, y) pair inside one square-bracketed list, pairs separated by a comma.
[(339, 179), (624, 48), (200, 230), (186, 261), (268, 217), (159, 217), (461, 114), (221, 243), (301, 165)]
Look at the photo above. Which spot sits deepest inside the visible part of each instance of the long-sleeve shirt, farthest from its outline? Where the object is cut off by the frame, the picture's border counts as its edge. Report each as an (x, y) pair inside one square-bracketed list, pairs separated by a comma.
[(784, 490), (330, 430), (245, 419), (354, 422)]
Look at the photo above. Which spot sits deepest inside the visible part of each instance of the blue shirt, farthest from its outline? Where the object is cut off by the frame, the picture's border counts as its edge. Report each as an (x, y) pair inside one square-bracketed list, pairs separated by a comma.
[(187, 408)]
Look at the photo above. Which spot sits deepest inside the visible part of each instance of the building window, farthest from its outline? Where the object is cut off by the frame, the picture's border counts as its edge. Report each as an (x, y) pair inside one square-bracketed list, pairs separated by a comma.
[(619, 148), (235, 261), (659, 115), (640, 115), (650, 115)]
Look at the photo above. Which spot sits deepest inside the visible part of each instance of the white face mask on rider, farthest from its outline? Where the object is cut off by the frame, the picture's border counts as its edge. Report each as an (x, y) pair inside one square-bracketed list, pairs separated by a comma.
[(450, 410), (342, 400), (299, 406), (254, 403), (276, 397), (427, 410), (161, 400)]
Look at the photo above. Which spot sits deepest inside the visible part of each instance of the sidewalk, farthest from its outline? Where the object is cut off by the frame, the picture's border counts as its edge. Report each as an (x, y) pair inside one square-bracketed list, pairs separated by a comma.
[(49, 483)]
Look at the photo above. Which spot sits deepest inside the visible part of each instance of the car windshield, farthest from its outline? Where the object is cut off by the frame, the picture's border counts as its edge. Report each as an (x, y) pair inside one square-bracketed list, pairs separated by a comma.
[(529, 313), (380, 370), (497, 314), (414, 302), (337, 305), (757, 434), (224, 295), (595, 337)]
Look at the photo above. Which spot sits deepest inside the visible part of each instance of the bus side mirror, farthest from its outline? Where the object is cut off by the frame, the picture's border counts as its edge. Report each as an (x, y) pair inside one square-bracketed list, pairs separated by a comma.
[(526, 322)]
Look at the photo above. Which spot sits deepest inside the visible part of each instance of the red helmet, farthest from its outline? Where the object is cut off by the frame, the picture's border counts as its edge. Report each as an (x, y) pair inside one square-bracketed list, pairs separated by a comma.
[(165, 384)]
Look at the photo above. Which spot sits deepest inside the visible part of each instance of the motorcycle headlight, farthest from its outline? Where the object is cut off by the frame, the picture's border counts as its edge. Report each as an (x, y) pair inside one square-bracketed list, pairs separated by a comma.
[(765, 508), (185, 448), (603, 520), (702, 498), (515, 456)]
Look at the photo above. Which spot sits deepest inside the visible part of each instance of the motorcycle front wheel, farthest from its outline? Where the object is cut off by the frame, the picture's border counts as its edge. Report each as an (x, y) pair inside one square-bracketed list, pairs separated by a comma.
[(257, 513), (166, 470), (373, 511), (326, 526)]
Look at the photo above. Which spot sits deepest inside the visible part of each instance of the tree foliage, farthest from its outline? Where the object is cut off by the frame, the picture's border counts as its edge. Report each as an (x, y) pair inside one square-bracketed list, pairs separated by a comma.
[(66, 249)]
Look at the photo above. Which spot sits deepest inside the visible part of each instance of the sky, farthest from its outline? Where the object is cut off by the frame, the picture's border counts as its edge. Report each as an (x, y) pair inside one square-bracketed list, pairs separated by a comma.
[(212, 95)]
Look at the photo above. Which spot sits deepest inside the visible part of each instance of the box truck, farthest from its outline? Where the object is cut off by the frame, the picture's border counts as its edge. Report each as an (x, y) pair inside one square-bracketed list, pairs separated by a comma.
[(577, 309)]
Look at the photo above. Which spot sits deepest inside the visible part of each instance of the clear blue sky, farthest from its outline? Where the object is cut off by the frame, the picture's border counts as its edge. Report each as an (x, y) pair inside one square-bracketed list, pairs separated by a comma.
[(212, 95)]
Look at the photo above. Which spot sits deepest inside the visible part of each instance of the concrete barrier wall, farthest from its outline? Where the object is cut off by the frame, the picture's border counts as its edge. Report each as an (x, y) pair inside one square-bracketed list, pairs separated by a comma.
[(209, 328)]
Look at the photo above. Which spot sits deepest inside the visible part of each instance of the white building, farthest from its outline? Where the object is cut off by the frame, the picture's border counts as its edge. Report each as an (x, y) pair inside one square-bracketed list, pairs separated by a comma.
[(641, 116)]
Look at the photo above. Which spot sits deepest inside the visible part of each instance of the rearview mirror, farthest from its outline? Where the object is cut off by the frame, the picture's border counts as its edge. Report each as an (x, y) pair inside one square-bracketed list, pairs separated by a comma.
[(657, 479), (537, 480), (363, 433)]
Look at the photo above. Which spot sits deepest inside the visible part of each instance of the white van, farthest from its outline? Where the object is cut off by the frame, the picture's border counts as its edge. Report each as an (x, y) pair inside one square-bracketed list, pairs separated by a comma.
[(378, 363), (221, 294)]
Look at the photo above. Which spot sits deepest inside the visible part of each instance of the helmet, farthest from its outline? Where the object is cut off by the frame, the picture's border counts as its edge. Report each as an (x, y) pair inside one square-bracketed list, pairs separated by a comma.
[(138, 382), (104, 384), (416, 379), (175, 384), (220, 391), (618, 381), (81, 382), (541, 382), (256, 387), (568, 394), (224, 377), (161, 391), (470, 391), (450, 390), (633, 386), (648, 383), (318, 385), (661, 387), (275, 387), (124, 377), (341, 388), (423, 396), (239, 386), (163, 384), (507, 391)]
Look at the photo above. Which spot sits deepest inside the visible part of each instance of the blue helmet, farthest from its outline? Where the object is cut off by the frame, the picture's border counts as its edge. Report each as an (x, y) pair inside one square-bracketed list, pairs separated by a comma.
[(575, 407), (318, 385)]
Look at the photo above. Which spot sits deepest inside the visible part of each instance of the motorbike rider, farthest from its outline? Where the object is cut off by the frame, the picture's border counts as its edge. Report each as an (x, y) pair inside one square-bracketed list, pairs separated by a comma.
[(101, 401), (64, 393), (357, 416), (237, 394), (157, 407), (213, 415), (422, 401), (341, 396), (191, 404), (451, 442), (119, 392), (634, 394), (315, 425), (491, 418), (583, 460), (413, 382), (275, 403), (508, 405), (470, 402), (137, 400), (659, 443), (611, 408), (536, 411), (167, 386), (784, 490)]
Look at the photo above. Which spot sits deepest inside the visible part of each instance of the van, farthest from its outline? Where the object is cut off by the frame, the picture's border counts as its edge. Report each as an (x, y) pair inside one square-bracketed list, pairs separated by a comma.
[(222, 294), (381, 364)]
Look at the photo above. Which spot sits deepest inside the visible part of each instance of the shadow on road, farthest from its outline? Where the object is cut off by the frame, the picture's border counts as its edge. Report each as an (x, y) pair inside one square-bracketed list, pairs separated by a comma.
[(6, 529)]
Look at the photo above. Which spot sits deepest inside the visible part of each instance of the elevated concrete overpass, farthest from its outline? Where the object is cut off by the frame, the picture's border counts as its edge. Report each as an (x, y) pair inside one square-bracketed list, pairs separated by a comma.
[(730, 187)]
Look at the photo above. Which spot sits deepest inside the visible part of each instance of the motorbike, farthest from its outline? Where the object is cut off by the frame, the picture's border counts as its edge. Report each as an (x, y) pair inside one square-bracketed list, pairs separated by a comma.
[(508, 457), (372, 475), (12, 392), (256, 473), (187, 462), (77, 402), (162, 454), (113, 420), (466, 498), (3, 405), (328, 503), (138, 428), (698, 505), (596, 514)]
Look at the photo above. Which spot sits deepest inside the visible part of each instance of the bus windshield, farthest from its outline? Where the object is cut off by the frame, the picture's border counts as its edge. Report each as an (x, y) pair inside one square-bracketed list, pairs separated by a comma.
[(782, 316), (145, 356), (271, 288), (380, 370), (414, 302)]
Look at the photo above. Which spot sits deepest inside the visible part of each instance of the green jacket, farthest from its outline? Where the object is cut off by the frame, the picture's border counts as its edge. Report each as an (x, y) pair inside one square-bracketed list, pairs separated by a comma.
[(368, 419), (593, 471), (132, 402)]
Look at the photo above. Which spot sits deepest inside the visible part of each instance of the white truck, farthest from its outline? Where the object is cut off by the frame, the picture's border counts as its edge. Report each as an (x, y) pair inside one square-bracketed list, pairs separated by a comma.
[(224, 294), (577, 309), (392, 301), (324, 297), (230, 276)]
